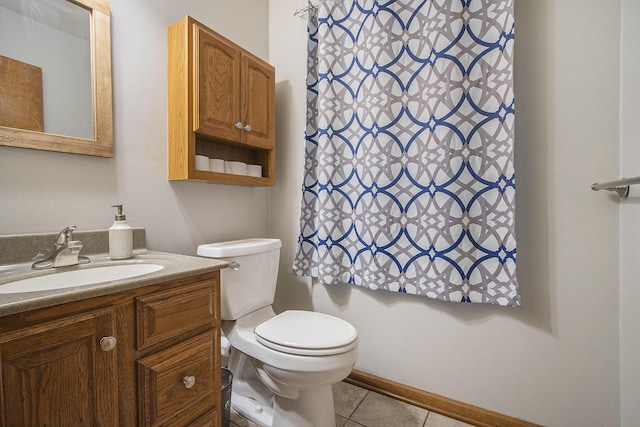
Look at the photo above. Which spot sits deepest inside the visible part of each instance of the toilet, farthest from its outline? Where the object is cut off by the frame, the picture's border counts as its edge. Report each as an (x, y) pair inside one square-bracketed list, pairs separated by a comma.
[(284, 365)]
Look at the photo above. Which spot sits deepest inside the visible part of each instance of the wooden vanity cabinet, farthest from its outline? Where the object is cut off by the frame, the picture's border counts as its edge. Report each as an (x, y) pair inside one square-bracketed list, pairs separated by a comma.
[(56, 374), (147, 357), (221, 105)]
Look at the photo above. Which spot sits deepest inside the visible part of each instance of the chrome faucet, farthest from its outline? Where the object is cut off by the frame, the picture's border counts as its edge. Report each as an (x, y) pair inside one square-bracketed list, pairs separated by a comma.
[(66, 252)]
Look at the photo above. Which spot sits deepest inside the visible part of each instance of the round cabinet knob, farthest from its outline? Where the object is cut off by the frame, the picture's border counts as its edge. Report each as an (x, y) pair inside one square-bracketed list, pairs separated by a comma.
[(239, 125), (189, 381), (108, 343), (247, 128)]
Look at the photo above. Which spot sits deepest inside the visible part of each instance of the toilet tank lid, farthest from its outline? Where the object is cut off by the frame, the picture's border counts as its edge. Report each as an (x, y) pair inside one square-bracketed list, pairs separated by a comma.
[(235, 248)]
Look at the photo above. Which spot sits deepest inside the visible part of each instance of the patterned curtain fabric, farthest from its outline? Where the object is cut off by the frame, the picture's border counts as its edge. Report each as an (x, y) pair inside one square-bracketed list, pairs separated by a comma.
[(409, 179)]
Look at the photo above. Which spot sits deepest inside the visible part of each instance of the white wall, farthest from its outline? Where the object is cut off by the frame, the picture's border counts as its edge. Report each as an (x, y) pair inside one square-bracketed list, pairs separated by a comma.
[(44, 191), (630, 217), (553, 361)]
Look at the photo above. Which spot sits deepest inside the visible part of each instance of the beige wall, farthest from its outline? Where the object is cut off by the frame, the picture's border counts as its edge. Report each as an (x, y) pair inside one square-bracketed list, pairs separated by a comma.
[(41, 191), (553, 361)]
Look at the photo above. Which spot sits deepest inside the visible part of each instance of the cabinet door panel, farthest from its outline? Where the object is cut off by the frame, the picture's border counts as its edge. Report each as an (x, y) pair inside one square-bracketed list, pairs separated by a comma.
[(217, 103), (57, 375), (258, 102)]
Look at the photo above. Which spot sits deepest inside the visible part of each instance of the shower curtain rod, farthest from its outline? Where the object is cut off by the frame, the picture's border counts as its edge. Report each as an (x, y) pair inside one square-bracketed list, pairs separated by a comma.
[(620, 186), (303, 12)]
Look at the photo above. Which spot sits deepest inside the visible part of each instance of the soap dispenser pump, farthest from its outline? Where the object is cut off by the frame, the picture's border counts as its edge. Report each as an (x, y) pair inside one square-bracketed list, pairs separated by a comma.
[(120, 237)]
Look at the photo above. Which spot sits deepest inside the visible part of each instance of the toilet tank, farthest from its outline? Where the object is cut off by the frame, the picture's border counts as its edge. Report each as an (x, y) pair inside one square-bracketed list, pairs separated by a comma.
[(250, 281)]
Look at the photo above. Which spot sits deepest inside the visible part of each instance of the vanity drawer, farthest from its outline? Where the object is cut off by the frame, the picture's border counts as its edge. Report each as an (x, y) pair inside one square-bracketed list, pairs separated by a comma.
[(179, 384), (182, 311)]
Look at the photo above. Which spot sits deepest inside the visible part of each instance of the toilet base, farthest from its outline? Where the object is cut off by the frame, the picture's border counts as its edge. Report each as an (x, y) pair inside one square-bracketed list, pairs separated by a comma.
[(312, 408), (252, 410), (278, 389)]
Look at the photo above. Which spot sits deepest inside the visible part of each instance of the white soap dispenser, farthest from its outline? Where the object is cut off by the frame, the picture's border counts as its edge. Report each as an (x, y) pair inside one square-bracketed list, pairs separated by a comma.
[(120, 237)]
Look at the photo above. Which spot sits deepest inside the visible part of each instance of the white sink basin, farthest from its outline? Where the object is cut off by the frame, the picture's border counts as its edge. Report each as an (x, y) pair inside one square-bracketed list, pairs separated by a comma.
[(83, 277)]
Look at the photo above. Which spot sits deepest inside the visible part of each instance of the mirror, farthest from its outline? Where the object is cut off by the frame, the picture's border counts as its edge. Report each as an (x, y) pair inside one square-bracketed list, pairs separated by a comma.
[(55, 76)]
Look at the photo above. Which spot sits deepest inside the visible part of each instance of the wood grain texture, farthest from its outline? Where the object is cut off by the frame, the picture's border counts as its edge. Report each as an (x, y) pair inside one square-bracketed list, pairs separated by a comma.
[(102, 143), (217, 103), (60, 346), (55, 373), (451, 408), (164, 315), (258, 91), (162, 395), (181, 139), (21, 104)]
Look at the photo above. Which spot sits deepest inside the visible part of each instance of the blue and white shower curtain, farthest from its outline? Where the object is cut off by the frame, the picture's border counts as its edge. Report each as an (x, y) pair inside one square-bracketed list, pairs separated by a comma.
[(409, 178)]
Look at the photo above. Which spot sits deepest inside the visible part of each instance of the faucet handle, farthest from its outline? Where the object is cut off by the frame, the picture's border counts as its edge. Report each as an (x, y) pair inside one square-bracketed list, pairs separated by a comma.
[(65, 236)]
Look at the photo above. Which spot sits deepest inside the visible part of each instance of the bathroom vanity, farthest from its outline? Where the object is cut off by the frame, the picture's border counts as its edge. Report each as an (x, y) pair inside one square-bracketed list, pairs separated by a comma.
[(141, 351)]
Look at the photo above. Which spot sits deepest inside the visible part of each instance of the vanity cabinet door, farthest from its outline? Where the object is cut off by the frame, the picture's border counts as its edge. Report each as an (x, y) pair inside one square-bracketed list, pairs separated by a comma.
[(57, 373)]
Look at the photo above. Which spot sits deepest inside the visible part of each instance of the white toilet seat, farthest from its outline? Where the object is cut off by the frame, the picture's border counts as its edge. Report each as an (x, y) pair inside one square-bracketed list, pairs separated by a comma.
[(307, 333)]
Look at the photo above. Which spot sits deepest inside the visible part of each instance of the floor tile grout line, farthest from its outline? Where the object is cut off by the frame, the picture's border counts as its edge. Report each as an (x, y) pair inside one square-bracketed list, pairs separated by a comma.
[(429, 412), (424, 424), (357, 406)]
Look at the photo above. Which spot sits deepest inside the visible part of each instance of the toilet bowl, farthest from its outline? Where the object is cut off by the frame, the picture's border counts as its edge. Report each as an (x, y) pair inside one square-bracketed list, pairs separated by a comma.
[(284, 365)]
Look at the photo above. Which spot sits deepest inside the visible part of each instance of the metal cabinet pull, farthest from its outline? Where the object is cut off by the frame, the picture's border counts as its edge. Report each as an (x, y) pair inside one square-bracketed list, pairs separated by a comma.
[(189, 381), (108, 343), (239, 125)]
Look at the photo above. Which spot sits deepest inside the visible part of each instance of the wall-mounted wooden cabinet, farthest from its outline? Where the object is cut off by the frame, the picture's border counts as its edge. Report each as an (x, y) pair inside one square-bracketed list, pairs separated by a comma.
[(221, 105)]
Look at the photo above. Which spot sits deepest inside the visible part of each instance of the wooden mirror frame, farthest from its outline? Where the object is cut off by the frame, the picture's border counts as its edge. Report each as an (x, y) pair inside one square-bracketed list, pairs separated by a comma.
[(102, 143)]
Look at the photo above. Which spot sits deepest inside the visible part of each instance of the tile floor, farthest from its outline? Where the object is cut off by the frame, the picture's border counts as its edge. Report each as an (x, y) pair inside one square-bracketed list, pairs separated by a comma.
[(357, 407)]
